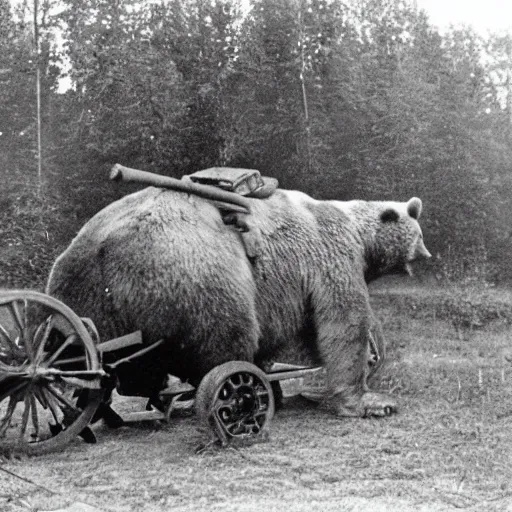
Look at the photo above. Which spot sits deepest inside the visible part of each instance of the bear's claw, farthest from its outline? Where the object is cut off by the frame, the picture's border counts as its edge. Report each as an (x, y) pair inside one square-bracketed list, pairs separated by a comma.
[(386, 411), (367, 405)]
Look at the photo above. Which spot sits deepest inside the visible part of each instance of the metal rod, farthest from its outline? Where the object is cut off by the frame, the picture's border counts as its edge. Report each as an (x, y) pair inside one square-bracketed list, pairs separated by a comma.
[(137, 354), (291, 374), (134, 338)]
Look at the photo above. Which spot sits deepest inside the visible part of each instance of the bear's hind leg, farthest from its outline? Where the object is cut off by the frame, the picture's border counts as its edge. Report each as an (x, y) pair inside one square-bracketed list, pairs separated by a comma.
[(344, 350)]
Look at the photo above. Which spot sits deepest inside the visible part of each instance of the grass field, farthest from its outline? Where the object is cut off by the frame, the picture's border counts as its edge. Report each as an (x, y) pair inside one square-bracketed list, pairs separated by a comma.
[(449, 448)]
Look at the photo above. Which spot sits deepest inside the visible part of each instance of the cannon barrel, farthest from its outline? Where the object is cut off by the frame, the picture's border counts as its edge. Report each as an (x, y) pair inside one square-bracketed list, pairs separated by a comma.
[(222, 198)]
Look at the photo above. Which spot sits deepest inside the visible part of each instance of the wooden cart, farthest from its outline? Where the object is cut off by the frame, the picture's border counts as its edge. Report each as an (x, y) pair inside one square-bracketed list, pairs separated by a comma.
[(53, 378), (56, 375)]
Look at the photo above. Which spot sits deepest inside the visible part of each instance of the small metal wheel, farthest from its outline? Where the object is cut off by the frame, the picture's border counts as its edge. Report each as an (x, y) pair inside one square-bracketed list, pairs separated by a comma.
[(47, 360), (235, 401)]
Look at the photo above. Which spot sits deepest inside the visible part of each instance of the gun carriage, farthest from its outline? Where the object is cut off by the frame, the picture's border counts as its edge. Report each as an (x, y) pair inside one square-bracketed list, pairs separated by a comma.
[(55, 371)]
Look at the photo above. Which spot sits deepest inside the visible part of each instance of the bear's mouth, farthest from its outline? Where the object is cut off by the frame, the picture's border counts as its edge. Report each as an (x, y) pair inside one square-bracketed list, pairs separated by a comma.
[(408, 267)]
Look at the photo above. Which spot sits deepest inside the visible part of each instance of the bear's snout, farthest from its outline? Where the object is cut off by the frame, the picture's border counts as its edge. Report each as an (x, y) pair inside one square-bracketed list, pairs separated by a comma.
[(419, 252)]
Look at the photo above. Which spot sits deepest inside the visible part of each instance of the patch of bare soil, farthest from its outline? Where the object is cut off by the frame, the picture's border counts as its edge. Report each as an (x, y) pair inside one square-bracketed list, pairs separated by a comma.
[(447, 449)]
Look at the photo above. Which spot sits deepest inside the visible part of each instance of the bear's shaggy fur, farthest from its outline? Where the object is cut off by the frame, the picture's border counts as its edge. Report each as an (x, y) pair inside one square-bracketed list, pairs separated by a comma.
[(164, 262)]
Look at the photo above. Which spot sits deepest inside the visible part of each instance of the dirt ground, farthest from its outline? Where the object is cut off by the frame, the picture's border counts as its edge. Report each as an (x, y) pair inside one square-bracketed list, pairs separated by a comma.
[(448, 448)]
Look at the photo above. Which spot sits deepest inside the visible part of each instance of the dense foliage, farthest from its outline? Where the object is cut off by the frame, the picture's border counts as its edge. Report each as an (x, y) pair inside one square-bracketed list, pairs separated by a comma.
[(342, 99)]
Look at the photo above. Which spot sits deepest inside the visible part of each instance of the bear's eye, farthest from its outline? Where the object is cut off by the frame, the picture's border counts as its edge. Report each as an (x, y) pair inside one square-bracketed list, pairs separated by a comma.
[(389, 215)]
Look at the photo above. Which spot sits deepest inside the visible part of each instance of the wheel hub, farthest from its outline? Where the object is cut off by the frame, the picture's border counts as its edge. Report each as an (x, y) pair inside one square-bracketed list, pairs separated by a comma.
[(242, 405)]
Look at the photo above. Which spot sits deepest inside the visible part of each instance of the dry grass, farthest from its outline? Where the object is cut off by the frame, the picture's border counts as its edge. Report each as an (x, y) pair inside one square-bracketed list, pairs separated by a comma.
[(447, 449)]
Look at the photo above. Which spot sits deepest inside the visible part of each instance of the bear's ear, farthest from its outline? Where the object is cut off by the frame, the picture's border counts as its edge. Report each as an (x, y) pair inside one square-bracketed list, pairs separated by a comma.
[(389, 215), (414, 206)]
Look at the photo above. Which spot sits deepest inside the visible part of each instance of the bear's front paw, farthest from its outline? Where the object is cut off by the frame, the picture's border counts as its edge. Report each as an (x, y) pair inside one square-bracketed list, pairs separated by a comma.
[(366, 405), (378, 404)]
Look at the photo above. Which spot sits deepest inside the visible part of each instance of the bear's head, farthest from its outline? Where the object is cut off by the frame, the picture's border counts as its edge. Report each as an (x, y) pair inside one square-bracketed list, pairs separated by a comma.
[(396, 238)]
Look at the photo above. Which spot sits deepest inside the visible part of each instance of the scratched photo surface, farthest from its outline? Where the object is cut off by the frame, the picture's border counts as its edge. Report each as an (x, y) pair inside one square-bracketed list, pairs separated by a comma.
[(255, 255)]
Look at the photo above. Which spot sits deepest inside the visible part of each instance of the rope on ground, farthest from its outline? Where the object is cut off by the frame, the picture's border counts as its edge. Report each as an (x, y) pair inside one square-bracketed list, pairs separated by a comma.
[(27, 480)]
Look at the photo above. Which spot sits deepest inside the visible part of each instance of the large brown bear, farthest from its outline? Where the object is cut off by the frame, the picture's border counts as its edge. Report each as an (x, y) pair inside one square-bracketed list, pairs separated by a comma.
[(165, 263)]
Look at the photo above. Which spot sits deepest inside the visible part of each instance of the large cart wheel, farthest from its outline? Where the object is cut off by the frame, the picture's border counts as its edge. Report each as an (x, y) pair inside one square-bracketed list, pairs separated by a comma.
[(50, 373), (235, 401)]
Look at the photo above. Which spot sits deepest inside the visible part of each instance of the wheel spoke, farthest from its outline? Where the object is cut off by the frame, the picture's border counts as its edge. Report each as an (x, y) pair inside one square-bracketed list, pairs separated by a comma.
[(16, 314), (52, 404), (35, 418), (232, 384), (11, 391), (239, 428), (4, 334), (260, 414), (247, 379), (25, 416), (230, 426), (39, 345), (61, 398), (39, 394), (6, 368), (25, 318), (227, 390), (19, 315), (28, 343), (25, 312), (13, 373), (6, 420), (69, 340), (69, 360)]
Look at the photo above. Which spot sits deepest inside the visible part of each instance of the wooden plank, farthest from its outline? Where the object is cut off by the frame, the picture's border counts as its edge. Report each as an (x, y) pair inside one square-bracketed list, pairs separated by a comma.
[(134, 338), (133, 417)]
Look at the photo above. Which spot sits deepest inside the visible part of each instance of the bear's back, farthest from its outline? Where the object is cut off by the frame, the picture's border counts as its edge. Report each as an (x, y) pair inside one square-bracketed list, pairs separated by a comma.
[(152, 255)]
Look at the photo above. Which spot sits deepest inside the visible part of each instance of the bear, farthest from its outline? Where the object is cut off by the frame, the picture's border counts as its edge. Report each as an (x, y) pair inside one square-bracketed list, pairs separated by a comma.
[(165, 263)]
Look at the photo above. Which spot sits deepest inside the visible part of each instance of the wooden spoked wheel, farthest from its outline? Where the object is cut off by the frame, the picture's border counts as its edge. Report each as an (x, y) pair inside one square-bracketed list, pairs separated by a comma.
[(235, 401), (50, 373)]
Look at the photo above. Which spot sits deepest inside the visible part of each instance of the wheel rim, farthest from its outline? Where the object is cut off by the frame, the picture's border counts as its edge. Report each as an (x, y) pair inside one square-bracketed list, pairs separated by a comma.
[(47, 360), (242, 405)]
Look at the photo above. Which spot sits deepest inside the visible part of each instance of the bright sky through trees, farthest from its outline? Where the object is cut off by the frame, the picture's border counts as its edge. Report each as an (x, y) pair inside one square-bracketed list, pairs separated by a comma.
[(327, 98), (483, 15)]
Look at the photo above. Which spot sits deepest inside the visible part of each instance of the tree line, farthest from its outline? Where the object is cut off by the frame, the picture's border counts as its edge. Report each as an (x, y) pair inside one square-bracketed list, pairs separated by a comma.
[(341, 99)]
